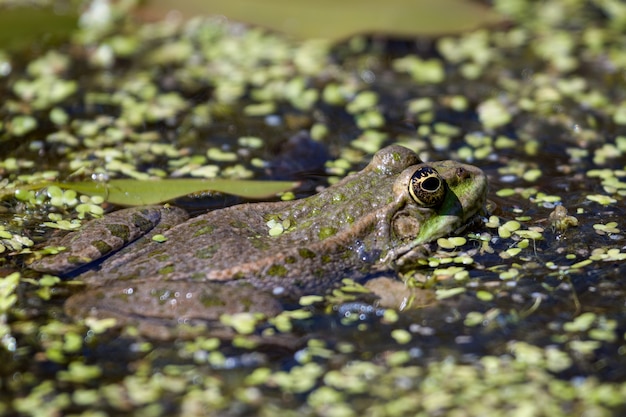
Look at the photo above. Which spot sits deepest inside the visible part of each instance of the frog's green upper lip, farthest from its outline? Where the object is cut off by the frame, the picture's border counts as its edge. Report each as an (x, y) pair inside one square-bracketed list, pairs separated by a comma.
[(476, 207)]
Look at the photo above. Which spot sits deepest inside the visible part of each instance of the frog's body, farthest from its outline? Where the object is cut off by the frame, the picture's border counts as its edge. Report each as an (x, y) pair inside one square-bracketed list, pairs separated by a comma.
[(371, 220)]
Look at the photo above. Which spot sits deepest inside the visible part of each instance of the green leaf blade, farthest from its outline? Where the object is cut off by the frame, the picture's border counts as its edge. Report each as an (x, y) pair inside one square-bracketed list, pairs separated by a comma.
[(130, 192), (337, 20)]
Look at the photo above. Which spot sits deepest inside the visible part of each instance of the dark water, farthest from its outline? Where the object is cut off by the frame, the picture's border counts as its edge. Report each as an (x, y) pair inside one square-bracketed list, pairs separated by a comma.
[(528, 329)]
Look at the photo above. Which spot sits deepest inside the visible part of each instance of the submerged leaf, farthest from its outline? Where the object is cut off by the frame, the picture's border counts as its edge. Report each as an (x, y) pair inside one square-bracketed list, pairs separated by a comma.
[(129, 192), (336, 20)]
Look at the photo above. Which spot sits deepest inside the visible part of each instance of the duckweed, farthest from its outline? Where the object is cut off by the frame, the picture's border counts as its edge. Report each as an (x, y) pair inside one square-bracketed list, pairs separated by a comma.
[(540, 115)]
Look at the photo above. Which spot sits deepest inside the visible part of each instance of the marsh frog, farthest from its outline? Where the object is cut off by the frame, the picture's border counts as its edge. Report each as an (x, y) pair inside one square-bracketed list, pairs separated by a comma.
[(244, 257)]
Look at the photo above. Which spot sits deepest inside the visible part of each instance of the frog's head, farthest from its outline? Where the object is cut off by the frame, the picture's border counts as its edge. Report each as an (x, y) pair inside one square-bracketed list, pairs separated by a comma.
[(439, 199)]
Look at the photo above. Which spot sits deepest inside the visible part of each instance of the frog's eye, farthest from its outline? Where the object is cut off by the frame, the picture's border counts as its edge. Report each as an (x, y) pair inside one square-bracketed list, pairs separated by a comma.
[(427, 187)]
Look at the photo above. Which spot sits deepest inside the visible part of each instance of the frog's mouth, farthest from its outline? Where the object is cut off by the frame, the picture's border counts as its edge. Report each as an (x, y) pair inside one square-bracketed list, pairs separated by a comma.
[(473, 221)]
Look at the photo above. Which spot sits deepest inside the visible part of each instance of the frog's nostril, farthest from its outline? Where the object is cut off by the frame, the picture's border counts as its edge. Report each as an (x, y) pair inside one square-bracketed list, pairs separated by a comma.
[(462, 173)]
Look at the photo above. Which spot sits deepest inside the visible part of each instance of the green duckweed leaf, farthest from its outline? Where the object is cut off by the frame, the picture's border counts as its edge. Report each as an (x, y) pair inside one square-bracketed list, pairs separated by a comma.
[(130, 192), (336, 20)]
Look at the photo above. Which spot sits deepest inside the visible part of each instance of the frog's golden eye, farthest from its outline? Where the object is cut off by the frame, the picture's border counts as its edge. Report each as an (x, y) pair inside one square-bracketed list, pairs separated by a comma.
[(427, 187)]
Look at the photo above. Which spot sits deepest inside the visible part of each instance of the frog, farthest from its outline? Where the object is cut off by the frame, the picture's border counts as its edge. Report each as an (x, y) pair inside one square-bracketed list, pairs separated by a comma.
[(159, 264)]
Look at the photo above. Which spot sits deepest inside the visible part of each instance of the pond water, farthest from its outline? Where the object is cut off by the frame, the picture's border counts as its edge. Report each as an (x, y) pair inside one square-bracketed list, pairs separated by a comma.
[(525, 318)]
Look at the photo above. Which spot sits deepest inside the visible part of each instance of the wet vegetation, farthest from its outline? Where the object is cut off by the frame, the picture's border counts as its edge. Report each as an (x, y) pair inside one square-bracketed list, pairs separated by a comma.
[(522, 315)]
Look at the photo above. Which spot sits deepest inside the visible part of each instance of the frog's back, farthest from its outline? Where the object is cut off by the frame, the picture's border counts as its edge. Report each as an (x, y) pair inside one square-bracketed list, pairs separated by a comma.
[(235, 243), (302, 244)]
